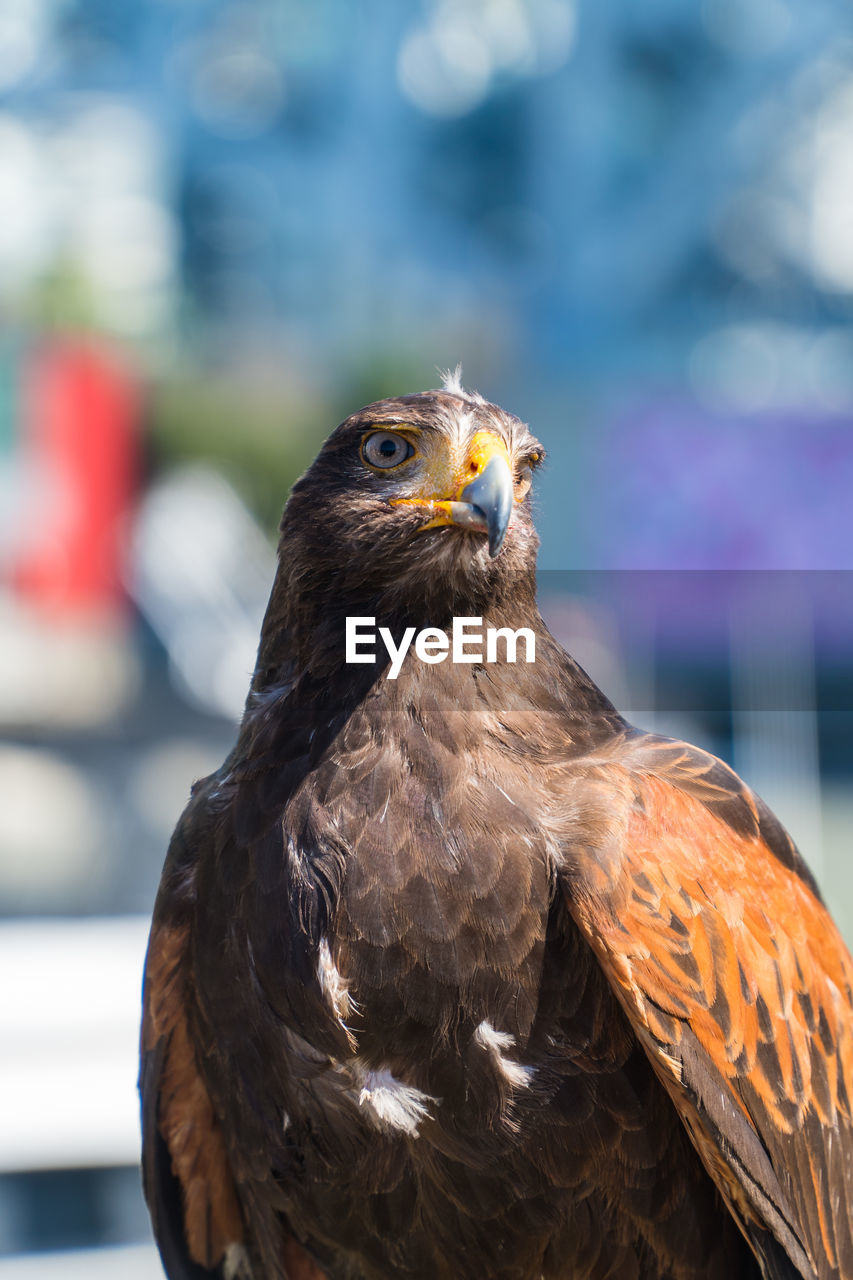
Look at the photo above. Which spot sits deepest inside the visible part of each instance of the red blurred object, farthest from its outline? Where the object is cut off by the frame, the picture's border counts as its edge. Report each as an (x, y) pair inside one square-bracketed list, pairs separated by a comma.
[(79, 434)]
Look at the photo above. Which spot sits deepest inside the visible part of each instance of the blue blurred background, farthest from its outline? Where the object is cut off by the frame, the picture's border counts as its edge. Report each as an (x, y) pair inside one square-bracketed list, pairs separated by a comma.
[(224, 225)]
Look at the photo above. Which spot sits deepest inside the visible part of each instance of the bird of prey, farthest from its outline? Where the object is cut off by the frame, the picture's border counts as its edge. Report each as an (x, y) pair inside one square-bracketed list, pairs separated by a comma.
[(457, 974)]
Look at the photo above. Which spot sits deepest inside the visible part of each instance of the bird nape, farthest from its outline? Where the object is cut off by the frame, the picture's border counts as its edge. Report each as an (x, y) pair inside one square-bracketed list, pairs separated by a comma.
[(457, 974)]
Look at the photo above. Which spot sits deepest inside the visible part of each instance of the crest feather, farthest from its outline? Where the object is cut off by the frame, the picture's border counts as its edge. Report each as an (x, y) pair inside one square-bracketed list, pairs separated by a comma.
[(451, 381)]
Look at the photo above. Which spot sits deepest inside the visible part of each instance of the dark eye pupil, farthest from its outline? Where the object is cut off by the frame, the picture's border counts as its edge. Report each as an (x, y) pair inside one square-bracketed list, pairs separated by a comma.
[(386, 449)]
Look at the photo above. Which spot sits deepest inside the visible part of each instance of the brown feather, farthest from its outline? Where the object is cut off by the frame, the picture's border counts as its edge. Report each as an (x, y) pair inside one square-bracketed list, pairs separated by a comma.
[(754, 923), (199, 1160), (185, 1114)]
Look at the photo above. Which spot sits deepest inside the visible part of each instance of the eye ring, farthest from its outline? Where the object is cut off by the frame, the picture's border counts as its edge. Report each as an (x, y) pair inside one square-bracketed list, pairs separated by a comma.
[(384, 450)]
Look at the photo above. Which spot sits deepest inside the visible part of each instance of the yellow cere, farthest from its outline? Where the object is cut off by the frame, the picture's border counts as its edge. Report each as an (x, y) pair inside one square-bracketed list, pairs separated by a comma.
[(447, 474)]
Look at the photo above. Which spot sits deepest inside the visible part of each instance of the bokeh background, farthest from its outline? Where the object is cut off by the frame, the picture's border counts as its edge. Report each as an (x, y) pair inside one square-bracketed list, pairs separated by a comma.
[(224, 225)]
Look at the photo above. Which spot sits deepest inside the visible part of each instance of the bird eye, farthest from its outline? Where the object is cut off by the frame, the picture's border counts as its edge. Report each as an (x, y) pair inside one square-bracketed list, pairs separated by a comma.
[(386, 449), (525, 473)]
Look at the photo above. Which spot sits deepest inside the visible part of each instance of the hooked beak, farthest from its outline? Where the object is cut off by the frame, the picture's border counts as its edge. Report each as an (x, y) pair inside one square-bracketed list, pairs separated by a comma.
[(491, 495)]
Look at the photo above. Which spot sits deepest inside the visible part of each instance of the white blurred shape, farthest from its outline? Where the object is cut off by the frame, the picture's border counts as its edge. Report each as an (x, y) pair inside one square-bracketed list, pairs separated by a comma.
[(22, 33), (52, 836), (448, 65), (131, 1262), (79, 674), (831, 240), (26, 227), (747, 27), (443, 73), (556, 25), (761, 366), (506, 28), (88, 190), (202, 574), (107, 146), (69, 1027), (127, 242), (116, 224), (161, 780)]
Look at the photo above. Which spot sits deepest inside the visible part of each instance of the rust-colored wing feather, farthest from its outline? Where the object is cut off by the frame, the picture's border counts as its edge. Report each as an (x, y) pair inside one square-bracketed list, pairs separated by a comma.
[(714, 937), (186, 1175), (200, 1223)]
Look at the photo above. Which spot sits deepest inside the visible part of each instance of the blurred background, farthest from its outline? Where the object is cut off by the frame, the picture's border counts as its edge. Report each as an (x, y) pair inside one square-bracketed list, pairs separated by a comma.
[(224, 225)]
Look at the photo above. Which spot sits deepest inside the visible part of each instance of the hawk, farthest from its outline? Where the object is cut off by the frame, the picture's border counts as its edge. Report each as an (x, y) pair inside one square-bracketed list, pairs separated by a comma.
[(457, 974)]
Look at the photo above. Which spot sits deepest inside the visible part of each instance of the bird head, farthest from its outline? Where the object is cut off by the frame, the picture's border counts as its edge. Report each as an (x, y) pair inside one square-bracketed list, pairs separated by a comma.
[(416, 509), (416, 495)]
